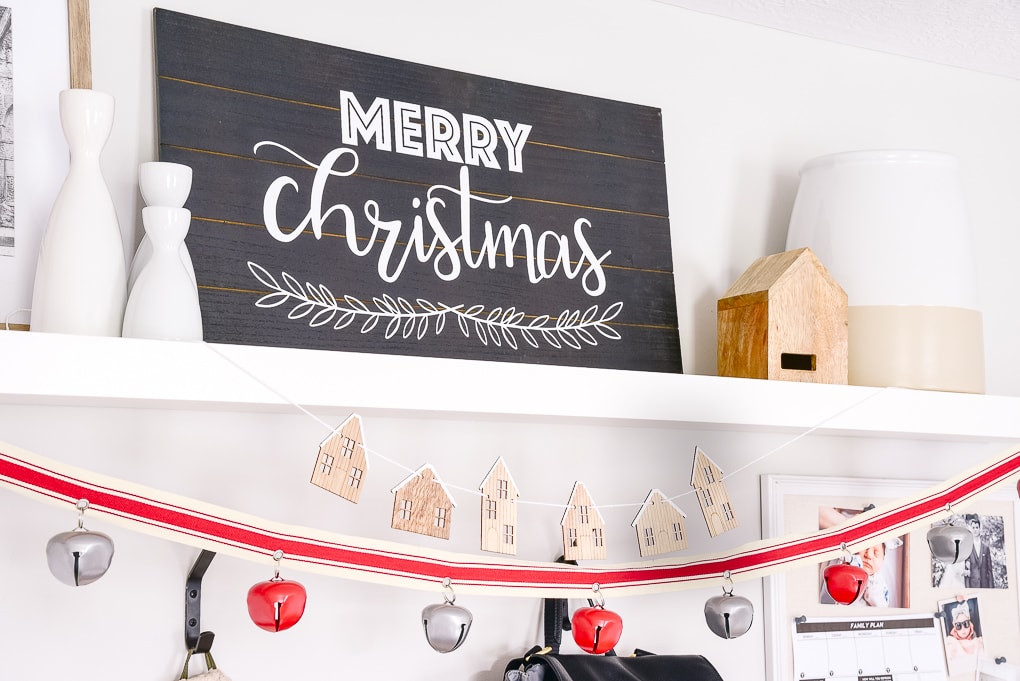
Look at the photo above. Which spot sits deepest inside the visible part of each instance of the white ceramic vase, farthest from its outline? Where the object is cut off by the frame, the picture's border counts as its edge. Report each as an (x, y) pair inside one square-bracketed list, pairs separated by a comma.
[(81, 278), (161, 183), (891, 227), (163, 304)]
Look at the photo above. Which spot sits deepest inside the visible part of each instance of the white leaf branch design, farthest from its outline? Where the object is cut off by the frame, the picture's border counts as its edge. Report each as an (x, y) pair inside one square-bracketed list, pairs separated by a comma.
[(317, 304)]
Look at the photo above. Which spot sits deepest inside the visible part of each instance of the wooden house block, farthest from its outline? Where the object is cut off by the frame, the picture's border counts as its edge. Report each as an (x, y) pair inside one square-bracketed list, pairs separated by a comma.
[(707, 479), (659, 525), (342, 463), (422, 504), (499, 510), (584, 529), (785, 318)]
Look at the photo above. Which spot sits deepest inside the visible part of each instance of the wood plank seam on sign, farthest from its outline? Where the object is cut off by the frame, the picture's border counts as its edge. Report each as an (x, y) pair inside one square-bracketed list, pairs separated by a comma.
[(589, 177), (168, 147), (653, 223), (633, 325), (254, 293), (634, 320), (500, 254), (336, 110), (224, 46), (644, 255), (609, 150)]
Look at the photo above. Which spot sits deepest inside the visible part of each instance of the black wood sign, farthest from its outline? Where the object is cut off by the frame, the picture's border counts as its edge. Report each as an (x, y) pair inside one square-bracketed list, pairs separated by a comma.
[(346, 201)]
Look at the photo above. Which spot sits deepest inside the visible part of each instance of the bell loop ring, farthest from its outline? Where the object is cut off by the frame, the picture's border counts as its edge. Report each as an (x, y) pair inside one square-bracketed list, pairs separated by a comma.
[(449, 595), (950, 518), (82, 506), (727, 587), (849, 556), (600, 600), (277, 557)]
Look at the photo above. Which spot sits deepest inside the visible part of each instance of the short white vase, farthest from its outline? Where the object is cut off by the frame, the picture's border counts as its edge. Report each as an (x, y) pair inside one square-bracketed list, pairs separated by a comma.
[(891, 227), (163, 304), (161, 183), (81, 277)]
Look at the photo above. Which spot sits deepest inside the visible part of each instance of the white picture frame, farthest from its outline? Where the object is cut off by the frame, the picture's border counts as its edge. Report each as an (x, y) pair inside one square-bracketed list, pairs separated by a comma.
[(990, 670), (41, 67), (783, 603)]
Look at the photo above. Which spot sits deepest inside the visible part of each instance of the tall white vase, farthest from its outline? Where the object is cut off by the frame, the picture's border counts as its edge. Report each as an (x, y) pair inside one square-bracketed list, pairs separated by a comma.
[(81, 279), (164, 300)]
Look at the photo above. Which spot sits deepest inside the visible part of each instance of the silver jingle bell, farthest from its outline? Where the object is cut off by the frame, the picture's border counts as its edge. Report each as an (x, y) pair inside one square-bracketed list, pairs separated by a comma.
[(729, 616), (446, 626), (950, 543), (79, 557)]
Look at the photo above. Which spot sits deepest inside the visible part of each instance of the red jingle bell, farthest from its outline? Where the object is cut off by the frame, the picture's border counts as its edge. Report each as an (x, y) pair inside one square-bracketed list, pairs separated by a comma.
[(845, 582), (276, 604), (595, 629)]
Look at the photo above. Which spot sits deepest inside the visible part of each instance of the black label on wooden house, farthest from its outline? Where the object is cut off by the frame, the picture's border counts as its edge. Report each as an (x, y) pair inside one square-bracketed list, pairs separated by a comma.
[(347, 201)]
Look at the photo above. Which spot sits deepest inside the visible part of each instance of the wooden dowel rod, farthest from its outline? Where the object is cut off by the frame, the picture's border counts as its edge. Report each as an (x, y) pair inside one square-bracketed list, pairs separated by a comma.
[(79, 36)]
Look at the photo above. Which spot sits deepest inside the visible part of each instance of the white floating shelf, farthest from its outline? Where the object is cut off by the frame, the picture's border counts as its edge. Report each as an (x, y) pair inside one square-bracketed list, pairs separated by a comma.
[(55, 369)]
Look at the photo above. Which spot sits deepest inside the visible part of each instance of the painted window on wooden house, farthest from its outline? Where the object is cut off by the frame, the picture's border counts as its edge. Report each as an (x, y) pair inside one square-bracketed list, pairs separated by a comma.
[(572, 536), (596, 535), (707, 472), (354, 478), (583, 513), (405, 509), (490, 509), (508, 534), (440, 517), (678, 532), (706, 496), (727, 511), (348, 447), (649, 537), (504, 489)]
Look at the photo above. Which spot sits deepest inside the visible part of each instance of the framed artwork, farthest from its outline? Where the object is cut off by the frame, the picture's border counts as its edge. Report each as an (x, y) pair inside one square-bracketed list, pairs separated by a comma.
[(6, 132), (887, 564), (36, 69), (963, 632), (985, 568), (997, 671), (908, 580)]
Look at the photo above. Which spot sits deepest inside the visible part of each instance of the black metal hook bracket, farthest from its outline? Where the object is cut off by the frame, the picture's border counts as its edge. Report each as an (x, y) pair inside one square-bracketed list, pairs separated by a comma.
[(195, 639)]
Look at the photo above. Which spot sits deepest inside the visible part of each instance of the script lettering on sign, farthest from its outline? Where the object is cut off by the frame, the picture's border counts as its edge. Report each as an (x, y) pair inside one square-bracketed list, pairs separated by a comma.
[(354, 202)]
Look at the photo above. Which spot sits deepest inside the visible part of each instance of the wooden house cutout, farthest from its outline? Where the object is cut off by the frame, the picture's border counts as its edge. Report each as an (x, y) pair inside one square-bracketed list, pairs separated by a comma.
[(707, 479), (422, 504), (659, 525), (342, 463), (499, 509), (785, 319), (584, 529)]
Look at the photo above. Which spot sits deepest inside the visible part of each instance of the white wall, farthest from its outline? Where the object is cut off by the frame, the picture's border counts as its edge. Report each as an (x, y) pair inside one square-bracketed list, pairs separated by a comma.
[(743, 108)]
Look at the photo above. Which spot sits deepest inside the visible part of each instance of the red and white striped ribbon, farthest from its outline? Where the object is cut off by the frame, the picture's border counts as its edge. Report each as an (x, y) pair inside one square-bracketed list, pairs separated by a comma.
[(196, 523)]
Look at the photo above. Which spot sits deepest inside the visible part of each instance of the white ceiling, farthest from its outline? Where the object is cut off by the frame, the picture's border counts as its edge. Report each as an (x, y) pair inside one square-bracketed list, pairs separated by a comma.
[(980, 35)]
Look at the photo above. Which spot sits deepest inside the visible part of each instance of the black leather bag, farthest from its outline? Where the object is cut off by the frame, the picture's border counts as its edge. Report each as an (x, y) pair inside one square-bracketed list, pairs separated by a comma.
[(547, 664)]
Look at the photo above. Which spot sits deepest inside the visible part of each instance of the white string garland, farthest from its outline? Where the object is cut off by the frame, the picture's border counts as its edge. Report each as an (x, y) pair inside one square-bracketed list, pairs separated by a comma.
[(475, 492)]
